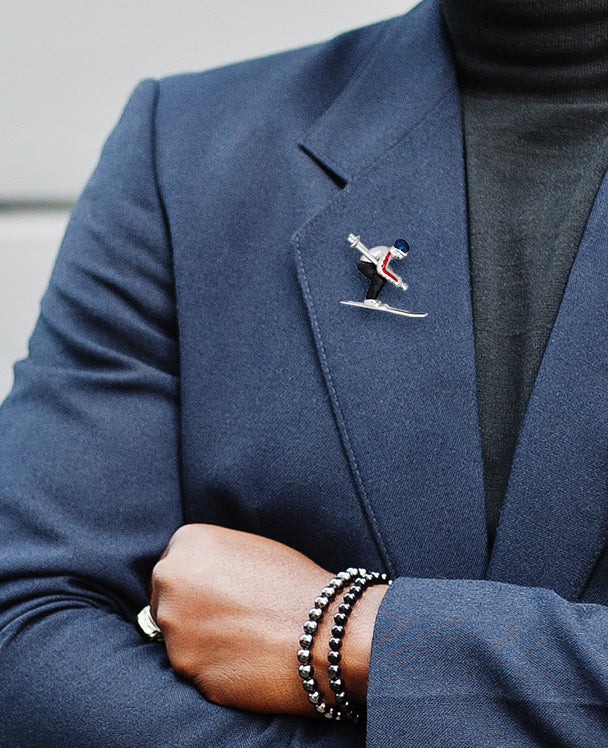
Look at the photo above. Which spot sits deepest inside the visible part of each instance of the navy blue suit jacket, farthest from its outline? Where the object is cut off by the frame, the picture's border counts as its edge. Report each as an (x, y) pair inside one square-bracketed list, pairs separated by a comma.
[(193, 363)]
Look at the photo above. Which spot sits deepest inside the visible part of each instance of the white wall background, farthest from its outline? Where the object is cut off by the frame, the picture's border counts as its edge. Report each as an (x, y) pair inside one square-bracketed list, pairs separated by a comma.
[(66, 69)]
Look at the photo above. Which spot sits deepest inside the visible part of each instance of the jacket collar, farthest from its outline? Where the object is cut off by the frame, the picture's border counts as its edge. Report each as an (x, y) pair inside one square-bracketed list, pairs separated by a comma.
[(409, 70)]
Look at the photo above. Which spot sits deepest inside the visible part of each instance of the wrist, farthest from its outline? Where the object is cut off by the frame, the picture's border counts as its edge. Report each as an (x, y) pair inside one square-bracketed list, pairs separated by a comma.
[(334, 634), (356, 652)]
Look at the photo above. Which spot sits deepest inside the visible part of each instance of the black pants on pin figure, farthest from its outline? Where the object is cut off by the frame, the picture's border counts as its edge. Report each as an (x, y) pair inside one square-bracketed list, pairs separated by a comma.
[(376, 280)]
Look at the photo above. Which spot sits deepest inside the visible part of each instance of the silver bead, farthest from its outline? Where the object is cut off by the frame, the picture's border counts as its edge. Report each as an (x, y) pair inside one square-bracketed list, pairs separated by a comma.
[(309, 685), (306, 641), (314, 697), (304, 656), (310, 627), (328, 592), (315, 614), (321, 602)]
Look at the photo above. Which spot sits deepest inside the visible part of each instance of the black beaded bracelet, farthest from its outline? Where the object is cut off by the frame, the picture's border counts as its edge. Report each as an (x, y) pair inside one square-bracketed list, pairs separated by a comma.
[(360, 580)]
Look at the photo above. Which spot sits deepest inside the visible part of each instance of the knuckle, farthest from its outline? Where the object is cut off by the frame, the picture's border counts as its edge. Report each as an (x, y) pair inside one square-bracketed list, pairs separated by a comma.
[(182, 535), (164, 618), (162, 597), (182, 662), (160, 576), (156, 578)]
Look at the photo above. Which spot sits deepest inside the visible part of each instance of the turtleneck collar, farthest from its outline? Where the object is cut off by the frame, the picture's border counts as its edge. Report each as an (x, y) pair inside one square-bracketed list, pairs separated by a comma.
[(536, 47)]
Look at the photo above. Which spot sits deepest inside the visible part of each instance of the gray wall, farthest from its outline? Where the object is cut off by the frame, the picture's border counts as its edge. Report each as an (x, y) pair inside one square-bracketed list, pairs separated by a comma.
[(66, 68)]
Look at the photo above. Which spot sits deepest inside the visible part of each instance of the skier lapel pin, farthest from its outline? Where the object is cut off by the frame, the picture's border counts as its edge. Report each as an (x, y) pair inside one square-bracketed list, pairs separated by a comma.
[(374, 264)]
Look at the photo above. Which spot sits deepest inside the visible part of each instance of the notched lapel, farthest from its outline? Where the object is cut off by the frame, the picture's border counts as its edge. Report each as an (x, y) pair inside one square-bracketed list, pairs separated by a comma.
[(555, 515), (403, 390)]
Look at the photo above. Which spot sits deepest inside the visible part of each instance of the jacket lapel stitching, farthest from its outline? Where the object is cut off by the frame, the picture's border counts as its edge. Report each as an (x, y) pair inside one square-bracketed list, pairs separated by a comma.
[(328, 210), (369, 512)]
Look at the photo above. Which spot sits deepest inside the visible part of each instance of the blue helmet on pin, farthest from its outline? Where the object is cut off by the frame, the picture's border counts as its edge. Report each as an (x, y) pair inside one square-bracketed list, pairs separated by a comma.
[(402, 245)]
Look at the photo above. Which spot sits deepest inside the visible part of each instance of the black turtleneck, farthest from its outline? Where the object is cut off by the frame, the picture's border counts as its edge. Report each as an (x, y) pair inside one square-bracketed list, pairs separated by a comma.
[(534, 83)]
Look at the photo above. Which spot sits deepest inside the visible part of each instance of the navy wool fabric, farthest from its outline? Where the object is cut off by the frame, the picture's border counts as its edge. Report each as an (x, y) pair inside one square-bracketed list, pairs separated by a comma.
[(193, 363)]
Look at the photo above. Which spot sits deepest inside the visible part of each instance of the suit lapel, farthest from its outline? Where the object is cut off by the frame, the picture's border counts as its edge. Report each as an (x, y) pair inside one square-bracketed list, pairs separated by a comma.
[(403, 390), (553, 524)]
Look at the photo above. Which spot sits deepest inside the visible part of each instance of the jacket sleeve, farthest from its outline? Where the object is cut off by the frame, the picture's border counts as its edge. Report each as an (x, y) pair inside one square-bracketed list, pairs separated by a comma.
[(475, 663), (89, 486)]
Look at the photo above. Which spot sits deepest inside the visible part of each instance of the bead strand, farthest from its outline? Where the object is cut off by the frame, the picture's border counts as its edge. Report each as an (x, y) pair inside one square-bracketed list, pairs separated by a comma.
[(311, 626), (361, 582)]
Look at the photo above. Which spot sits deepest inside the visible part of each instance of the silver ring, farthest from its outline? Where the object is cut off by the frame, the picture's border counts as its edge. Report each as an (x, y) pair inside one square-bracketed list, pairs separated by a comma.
[(148, 625)]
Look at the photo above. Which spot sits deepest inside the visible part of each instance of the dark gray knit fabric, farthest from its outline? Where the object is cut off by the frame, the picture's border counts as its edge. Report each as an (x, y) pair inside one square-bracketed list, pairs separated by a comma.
[(534, 79), (533, 169)]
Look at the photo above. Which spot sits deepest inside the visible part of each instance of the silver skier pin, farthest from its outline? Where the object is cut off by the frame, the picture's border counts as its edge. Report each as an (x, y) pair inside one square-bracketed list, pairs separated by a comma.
[(374, 264)]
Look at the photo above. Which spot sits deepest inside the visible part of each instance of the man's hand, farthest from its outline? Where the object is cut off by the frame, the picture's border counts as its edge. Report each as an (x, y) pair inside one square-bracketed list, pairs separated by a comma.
[(231, 607)]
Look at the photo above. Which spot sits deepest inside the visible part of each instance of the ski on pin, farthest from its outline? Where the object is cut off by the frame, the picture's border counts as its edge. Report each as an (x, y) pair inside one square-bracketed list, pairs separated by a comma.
[(381, 307)]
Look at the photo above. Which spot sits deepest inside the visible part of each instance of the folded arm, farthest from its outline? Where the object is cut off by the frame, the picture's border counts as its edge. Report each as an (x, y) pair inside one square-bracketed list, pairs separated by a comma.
[(90, 490), (454, 662)]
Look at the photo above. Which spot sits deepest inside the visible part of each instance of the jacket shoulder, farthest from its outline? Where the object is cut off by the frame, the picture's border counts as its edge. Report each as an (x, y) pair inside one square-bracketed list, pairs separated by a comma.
[(297, 85)]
